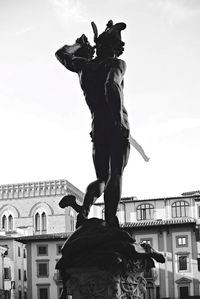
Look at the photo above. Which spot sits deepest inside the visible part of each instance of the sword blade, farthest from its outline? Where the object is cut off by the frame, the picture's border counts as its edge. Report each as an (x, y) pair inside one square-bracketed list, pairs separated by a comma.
[(139, 148)]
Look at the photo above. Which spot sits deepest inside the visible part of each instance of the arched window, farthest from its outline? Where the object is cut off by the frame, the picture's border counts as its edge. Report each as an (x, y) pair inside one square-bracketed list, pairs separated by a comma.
[(180, 209), (145, 212), (37, 222), (7, 221), (40, 221), (44, 222), (10, 222), (4, 222)]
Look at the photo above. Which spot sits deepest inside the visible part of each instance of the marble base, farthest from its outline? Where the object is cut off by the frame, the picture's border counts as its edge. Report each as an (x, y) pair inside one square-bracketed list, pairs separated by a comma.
[(93, 283)]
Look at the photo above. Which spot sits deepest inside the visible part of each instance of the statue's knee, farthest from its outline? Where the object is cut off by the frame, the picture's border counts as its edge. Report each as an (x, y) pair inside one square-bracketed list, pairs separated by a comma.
[(117, 172), (96, 188)]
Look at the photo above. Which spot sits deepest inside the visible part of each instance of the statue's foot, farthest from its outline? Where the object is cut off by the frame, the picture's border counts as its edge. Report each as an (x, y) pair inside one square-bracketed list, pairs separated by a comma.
[(113, 222), (67, 201)]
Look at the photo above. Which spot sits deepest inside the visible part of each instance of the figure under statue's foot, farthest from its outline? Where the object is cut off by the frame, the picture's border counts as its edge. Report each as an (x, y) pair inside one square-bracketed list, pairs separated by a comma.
[(69, 201)]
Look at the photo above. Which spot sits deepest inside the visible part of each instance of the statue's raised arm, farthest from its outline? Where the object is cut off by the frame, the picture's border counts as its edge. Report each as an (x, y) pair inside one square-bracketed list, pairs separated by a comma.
[(73, 57)]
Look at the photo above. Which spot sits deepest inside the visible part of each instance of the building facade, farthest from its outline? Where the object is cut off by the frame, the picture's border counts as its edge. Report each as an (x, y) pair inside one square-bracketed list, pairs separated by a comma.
[(33, 229), (14, 270), (33, 207), (43, 252), (3, 253), (30, 209), (171, 226)]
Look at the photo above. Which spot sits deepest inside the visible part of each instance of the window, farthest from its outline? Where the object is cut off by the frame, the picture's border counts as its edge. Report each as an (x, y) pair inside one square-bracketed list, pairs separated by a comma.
[(42, 268), (19, 251), (182, 241), (158, 292), (41, 222), (4, 222), (37, 222), (10, 222), (145, 212), (20, 294), (44, 222), (43, 292), (42, 250), (7, 222), (198, 211), (25, 294), (24, 253), (183, 262), (19, 274), (150, 291), (180, 209), (25, 275), (59, 247), (6, 273), (198, 263)]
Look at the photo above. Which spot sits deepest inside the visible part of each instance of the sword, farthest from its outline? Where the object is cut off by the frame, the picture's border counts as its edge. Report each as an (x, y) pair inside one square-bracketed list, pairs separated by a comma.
[(139, 148)]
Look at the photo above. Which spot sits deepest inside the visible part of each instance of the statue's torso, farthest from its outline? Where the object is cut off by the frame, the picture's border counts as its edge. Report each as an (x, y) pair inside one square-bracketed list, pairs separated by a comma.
[(93, 77)]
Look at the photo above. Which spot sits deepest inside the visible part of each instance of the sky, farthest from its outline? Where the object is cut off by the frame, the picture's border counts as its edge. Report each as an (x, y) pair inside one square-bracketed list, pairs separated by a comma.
[(44, 120)]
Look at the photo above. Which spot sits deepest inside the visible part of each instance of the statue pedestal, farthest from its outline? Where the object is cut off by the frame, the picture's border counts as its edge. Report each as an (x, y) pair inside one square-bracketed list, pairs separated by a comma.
[(93, 283), (103, 262)]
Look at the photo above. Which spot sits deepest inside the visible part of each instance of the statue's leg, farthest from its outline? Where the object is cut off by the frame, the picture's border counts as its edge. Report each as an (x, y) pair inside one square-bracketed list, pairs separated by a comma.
[(96, 188), (112, 195), (94, 191)]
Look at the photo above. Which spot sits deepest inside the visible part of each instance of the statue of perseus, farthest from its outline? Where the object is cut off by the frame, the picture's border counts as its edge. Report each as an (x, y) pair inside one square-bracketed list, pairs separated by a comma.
[(102, 79), (100, 259)]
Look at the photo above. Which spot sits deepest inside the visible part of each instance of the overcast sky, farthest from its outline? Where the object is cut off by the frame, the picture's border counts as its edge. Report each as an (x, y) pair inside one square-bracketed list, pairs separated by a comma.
[(44, 121)]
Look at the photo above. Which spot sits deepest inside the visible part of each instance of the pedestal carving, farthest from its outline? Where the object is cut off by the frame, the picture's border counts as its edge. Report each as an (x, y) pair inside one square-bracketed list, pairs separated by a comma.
[(93, 283)]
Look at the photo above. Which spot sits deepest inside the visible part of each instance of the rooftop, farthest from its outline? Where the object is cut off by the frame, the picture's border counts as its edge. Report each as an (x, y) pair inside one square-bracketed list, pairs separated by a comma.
[(188, 195), (191, 193), (147, 223)]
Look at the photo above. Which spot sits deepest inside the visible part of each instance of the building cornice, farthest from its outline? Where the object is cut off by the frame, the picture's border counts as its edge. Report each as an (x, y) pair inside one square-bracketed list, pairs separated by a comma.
[(39, 189)]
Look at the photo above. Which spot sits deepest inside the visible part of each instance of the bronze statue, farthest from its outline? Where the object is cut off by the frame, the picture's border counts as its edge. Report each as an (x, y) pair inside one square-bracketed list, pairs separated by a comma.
[(97, 243), (102, 79)]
